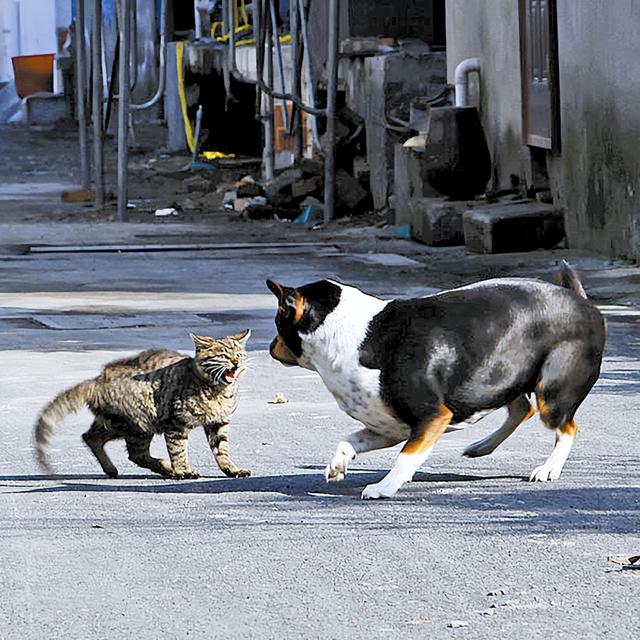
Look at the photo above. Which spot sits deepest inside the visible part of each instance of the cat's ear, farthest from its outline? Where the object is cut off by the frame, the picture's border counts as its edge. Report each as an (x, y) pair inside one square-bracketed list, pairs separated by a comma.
[(242, 337), (202, 342), (277, 289)]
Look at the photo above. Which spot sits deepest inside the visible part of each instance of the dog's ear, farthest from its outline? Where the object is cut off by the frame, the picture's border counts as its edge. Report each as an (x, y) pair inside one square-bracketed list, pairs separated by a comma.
[(277, 289), (289, 298)]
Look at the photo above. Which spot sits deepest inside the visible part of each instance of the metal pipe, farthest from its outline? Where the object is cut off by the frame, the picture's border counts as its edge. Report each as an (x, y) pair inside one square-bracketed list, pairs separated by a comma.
[(97, 111), (198, 21), (123, 108), (461, 80), (295, 126), (332, 92), (269, 133), (307, 59), (276, 42), (233, 69), (196, 135), (163, 61), (225, 15), (81, 90), (133, 63), (232, 36)]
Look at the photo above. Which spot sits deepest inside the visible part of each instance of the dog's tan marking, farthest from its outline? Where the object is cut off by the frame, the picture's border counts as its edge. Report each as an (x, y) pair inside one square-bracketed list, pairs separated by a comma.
[(568, 428), (529, 414), (543, 408), (281, 352), (299, 307), (429, 434)]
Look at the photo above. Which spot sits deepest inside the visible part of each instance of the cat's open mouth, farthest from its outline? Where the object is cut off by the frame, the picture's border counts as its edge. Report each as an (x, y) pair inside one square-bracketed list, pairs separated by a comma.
[(230, 375)]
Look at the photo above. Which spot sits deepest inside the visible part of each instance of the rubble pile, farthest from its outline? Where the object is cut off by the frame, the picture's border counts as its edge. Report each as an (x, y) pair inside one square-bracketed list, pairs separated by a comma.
[(290, 194)]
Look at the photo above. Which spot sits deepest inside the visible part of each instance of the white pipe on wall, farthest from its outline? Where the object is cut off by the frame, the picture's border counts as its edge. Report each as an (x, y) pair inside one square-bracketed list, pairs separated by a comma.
[(461, 80)]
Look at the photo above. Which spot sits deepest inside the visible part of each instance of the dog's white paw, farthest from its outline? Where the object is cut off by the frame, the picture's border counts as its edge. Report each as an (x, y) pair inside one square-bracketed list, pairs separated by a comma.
[(336, 470), (545, 472), (378, 490)]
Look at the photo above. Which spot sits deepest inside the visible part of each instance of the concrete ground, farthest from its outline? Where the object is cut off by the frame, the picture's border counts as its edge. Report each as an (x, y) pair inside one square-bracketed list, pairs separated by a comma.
[(469, 550)]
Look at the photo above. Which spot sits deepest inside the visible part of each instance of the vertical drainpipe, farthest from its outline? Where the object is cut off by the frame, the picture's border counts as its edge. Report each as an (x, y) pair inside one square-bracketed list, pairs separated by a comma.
[(269, 127), (81, 90), (198, 21), (96, 55), (332, 91), (295, 80), (123, 108)]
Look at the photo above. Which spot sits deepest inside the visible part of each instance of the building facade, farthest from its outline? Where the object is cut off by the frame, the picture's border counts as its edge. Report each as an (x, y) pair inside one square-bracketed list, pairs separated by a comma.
[(588, 51)]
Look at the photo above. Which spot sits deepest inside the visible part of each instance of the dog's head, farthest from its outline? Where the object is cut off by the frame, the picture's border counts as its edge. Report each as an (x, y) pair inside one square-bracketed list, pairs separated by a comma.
[(301, 311)]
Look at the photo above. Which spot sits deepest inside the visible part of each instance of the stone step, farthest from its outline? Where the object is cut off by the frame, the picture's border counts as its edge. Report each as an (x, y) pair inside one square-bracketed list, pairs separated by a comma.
[(507, 227), (436, 221)]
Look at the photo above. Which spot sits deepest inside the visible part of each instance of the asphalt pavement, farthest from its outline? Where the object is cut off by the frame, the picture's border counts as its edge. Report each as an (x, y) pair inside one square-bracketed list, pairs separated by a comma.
[(470, 549)]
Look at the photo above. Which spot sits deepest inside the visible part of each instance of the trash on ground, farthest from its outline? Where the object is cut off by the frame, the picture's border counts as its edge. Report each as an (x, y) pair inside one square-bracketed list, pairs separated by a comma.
[(279, 398), (229, 199), (457, 624), (626, 562), (78, 195), (216, 155), (169, 211)]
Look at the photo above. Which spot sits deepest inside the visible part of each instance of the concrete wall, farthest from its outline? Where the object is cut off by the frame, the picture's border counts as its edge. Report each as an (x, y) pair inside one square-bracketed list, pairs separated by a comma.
[(596, 176), (490, 31), (377, 85)]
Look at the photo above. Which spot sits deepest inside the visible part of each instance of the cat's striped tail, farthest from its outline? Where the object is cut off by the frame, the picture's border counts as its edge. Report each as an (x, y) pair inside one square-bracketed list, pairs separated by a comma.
[(62, 405)]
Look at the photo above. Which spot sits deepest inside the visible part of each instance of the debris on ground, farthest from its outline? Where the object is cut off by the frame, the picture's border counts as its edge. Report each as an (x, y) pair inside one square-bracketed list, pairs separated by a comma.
[(625, 562), (457, 624), (78, 195), (169, 211), (279, 398)]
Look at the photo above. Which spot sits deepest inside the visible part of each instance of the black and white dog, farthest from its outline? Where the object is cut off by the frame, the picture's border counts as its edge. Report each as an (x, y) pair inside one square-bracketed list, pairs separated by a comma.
[(412, 369)]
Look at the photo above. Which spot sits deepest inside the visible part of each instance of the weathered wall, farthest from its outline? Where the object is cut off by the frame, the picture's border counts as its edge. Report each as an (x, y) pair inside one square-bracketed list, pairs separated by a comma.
[(375, 87), (490, 31), (597, 176)]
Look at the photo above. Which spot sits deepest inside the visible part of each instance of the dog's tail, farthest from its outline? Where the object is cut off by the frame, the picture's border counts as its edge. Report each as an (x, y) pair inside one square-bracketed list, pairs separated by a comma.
[(62, 405), (568, 279)]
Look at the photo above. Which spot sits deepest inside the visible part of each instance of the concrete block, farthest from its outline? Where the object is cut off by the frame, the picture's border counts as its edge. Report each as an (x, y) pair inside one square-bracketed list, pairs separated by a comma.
[(303, 188), (409, 182), (349, 192), (436, 221), (513, 226), (44, 108)]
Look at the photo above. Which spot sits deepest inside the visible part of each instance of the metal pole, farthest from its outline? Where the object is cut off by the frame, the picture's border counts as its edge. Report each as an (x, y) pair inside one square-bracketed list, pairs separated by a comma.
[(81, 90), (276, 42), (296, 66), (332, 91), (123, 108), (198, 21), (98, 151), (269, 133), (309, 67)]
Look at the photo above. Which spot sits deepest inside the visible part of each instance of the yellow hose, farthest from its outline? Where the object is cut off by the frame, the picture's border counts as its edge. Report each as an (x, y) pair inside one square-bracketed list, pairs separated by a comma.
[(188, 129)]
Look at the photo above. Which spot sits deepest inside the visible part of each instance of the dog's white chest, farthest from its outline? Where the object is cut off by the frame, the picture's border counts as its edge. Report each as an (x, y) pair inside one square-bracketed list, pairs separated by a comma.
[(357, 392), (333, 350)]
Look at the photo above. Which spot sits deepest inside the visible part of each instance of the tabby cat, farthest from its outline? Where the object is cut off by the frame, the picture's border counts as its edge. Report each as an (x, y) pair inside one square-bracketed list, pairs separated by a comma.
[(158, 391)]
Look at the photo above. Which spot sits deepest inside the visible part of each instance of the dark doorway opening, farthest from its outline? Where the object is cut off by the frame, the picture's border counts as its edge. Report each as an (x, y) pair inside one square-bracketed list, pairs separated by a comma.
[(228, 125)]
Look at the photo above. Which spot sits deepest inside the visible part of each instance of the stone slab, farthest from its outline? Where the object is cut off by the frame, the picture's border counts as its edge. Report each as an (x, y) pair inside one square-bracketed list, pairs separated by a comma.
[(436, 221), (513, 226)]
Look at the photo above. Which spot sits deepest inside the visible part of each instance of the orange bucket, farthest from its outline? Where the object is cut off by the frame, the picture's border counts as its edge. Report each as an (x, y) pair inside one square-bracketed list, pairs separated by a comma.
[(33, 74)]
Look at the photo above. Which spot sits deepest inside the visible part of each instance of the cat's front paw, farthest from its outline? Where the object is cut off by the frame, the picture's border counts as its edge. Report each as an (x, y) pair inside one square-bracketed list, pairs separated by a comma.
[(237, 473), (185, 475)]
